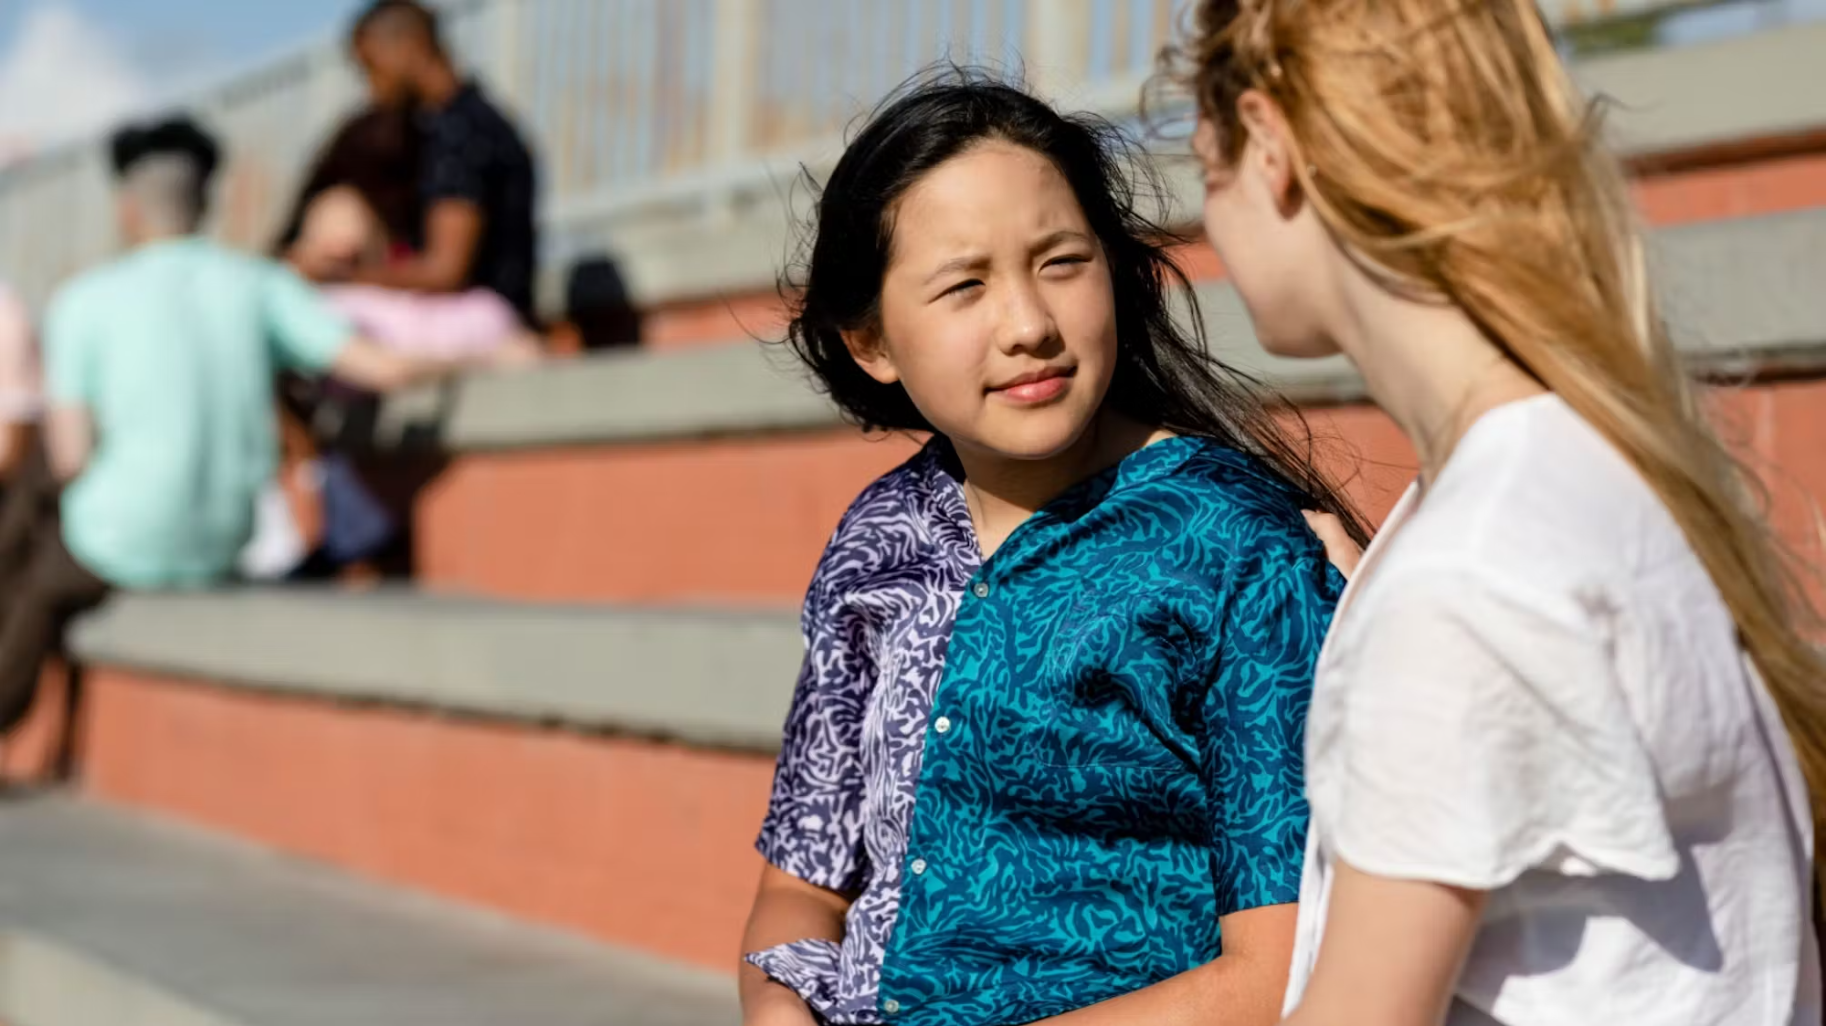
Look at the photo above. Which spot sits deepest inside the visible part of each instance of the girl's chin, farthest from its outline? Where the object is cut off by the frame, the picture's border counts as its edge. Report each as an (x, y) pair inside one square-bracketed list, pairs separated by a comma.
[(1036, 435)]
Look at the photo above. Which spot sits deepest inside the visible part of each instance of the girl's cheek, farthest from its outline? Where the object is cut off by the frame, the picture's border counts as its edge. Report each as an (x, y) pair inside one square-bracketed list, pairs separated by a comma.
[(945, 369), (967, 338)]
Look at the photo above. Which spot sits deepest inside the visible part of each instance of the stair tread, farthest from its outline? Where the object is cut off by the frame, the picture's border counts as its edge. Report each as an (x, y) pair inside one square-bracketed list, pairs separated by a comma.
[(729, 672), (256, 938)]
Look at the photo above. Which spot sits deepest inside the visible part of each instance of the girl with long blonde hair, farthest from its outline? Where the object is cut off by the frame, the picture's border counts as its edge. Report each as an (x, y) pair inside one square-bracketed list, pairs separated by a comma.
[(1565, 729)]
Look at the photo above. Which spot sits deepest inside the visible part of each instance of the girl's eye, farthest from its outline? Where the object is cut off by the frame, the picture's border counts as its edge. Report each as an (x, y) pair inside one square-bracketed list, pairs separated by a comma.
[(960, 288), (1070, 260)]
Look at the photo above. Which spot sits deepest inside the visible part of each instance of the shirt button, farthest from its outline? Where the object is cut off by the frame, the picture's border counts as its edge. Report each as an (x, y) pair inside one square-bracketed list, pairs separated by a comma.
[(942, 725), (919, 867), (890, 1006), (981, 590)]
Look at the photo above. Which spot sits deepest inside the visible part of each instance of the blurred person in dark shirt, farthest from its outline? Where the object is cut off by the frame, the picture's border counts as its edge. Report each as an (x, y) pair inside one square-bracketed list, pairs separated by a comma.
[(476, 178)]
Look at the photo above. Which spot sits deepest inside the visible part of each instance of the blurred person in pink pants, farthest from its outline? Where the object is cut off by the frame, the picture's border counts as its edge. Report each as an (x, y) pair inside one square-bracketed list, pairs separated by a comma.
[(341, 230)]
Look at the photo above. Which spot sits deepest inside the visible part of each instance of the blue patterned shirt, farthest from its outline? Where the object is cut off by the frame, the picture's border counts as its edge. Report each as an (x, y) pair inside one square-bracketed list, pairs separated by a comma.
[(1046, 777)]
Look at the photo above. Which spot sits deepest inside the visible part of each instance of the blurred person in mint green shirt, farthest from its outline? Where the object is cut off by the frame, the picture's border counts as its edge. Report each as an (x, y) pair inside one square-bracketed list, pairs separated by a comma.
[(160, 422)]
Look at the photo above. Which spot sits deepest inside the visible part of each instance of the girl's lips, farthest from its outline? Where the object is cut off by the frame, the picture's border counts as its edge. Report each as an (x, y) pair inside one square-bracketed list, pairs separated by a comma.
[(1042, 390)]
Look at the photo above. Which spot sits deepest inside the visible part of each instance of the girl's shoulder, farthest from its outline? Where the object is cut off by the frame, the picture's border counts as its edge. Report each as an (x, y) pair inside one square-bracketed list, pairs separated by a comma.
[(897, 519), (899, 497), (1213, 519), (1227, 497)]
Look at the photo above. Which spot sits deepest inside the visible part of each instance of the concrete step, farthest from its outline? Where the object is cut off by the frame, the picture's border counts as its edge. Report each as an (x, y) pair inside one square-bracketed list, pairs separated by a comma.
[(108, 919), (713, 678), (595, 768)]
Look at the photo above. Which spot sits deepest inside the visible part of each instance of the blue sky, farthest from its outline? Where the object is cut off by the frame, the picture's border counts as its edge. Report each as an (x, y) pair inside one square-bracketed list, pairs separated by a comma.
[(66, 65), (165, 35)]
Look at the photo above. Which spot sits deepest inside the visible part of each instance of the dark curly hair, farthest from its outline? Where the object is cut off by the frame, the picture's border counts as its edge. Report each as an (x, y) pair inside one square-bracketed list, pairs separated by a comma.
[(377, 153), (1165, 373)]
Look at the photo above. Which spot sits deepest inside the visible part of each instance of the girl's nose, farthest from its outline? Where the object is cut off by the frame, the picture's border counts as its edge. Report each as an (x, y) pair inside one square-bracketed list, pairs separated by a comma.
[(1027, 324)]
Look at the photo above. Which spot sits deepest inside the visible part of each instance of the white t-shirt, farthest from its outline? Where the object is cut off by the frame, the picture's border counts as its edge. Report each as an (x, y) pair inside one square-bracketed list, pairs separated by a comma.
[(1534, 689)]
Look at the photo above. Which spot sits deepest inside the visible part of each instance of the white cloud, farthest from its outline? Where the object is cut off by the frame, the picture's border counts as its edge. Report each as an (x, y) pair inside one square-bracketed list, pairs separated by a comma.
[(63, 76)]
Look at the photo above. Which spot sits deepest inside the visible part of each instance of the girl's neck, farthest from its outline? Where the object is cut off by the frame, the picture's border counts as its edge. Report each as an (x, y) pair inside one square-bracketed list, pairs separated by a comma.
[(1428, 366), (1002, 492)]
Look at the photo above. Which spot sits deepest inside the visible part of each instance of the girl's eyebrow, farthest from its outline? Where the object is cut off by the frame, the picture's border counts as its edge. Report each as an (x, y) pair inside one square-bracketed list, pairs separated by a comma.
[(1062, 235), (978, 261), (968, 262)]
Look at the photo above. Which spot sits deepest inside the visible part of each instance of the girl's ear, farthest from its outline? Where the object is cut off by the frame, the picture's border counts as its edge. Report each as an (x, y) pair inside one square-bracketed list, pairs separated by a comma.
[(1206, 146), (869, 352), (1272, 152)]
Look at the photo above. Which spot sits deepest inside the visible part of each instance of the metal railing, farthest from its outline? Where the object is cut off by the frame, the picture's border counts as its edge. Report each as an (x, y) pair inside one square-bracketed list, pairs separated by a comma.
[(627, 99)]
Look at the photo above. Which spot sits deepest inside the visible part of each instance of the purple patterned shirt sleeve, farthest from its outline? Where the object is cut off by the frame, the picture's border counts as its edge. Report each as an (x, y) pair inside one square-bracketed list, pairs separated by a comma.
[(813, 828)]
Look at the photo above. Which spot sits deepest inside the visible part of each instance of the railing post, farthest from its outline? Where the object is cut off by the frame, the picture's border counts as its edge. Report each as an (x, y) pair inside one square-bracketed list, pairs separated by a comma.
[(509, 55), (737, 27), (1058, 44)]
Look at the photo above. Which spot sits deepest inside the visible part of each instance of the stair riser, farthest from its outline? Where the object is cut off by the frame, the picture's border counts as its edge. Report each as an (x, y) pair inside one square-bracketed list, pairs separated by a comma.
[(736, 521), (637, 843), (745, 521), (733, 521)]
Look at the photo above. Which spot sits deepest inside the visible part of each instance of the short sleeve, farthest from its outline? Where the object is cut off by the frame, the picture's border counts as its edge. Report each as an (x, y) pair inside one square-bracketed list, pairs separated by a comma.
[(813, 827), (1483, 734), (456, 161), (69, 357), (1280, 605), (306, 331)]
